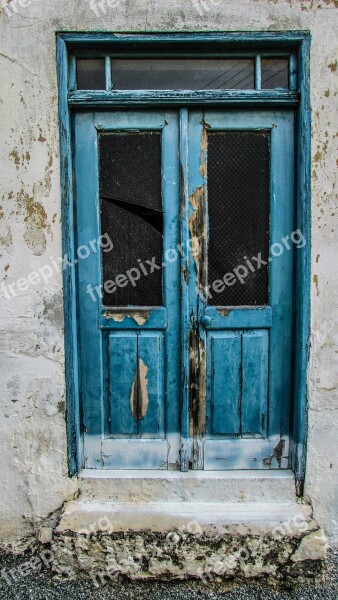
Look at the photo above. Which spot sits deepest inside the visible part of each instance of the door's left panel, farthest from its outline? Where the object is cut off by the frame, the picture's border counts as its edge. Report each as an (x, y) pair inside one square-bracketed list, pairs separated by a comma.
[(127, 223)]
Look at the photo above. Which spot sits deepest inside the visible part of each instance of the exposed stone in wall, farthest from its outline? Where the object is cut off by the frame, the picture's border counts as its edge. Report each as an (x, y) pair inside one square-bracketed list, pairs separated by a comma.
[(149, 555)]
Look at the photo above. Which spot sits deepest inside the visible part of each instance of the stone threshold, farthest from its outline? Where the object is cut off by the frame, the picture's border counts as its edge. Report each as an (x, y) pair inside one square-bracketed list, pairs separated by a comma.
[(83, 516), (194, 486)]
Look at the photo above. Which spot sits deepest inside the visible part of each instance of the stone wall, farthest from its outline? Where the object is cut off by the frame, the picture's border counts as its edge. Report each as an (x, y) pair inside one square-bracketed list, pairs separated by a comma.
[(32, 424)]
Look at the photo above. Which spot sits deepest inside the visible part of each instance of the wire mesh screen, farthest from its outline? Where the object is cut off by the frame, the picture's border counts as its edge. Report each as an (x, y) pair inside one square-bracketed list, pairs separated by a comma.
[(238, 212), (131, 214)]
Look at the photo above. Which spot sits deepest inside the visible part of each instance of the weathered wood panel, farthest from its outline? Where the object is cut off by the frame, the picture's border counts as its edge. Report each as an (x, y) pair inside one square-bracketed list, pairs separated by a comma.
[(226, 382), (255, 369), (122, 371)]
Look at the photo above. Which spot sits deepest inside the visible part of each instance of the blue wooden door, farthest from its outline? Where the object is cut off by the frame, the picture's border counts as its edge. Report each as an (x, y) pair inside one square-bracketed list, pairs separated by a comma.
[(239, 199), (184, 287), (127, 214)]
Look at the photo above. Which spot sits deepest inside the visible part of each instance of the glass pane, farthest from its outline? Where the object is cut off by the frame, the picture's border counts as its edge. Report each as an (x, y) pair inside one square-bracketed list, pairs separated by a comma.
[(183, 74), (275, 73), (238, 211), (91, 74), (131, 214)]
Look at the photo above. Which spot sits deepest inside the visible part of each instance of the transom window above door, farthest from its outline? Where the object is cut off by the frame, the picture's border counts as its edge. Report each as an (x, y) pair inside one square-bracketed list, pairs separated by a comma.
[(242, 73)]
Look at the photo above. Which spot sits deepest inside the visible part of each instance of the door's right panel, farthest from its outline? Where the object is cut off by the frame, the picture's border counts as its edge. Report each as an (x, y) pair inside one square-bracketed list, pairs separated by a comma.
[(247, 312)]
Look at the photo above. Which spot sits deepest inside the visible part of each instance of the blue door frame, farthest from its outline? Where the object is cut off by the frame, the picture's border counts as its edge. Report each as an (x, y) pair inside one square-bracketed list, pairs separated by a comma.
[(70, 99)]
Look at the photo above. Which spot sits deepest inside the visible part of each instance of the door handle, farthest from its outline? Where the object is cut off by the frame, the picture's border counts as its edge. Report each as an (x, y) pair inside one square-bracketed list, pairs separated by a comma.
[(206, 321)]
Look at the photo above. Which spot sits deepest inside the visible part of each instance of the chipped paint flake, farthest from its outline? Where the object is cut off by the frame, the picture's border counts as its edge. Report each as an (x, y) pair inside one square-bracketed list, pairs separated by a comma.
[(139, 317), (204, 148), (117, 317), (139, 399), (197, 358), (198, 233), (224, 312), (277, 454)]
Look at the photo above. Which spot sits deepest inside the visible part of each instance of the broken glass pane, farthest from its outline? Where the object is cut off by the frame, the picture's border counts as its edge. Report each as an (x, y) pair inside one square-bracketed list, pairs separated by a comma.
[(131, 214)]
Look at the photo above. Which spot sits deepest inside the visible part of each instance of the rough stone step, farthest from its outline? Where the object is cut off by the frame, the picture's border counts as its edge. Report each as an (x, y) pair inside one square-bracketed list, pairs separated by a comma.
[(103, 540)]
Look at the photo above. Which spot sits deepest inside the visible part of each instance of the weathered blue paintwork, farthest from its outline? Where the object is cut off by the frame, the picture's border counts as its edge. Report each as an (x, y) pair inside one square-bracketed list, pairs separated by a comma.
[(185, 305), (262, 392), (236, 317), (120, 346), (151, 318), (212, 41), (140, 98), (126, 349), (216, 44), (264, 397), (75, 450), (237, 383), (302, 268)]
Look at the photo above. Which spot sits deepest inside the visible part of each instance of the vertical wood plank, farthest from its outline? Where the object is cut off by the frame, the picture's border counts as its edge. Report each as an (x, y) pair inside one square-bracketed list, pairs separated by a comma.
[(226, 391), (255, 360), (303, 269), (171, 284), (75, 453), (281, 279), (89, 277), (185, 309), (122, 375), (197, 214), (150, 359)]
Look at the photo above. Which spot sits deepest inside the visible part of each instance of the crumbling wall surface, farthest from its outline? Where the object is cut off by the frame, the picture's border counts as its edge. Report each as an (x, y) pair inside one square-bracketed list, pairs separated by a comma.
[(32, 424), (173, 556)]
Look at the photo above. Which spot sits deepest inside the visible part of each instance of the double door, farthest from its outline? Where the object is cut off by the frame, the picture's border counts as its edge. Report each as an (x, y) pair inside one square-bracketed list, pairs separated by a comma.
[(185, 295)]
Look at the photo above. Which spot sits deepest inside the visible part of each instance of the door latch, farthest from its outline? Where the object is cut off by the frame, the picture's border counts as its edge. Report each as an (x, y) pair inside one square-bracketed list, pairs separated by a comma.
[(206, 320)]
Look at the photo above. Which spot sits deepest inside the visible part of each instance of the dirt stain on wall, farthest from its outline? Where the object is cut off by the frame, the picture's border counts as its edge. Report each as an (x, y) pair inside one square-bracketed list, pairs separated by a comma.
[(35, 219), (315, 281)]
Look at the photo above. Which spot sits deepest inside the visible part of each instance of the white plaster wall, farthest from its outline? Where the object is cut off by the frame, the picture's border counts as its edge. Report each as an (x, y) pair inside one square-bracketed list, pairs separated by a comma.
[(32, 426)]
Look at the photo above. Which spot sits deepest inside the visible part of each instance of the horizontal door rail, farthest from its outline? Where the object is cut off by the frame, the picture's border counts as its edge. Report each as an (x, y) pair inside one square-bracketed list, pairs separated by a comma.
[(92, 98), (258, 38), (229, 317), (133, 318)]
